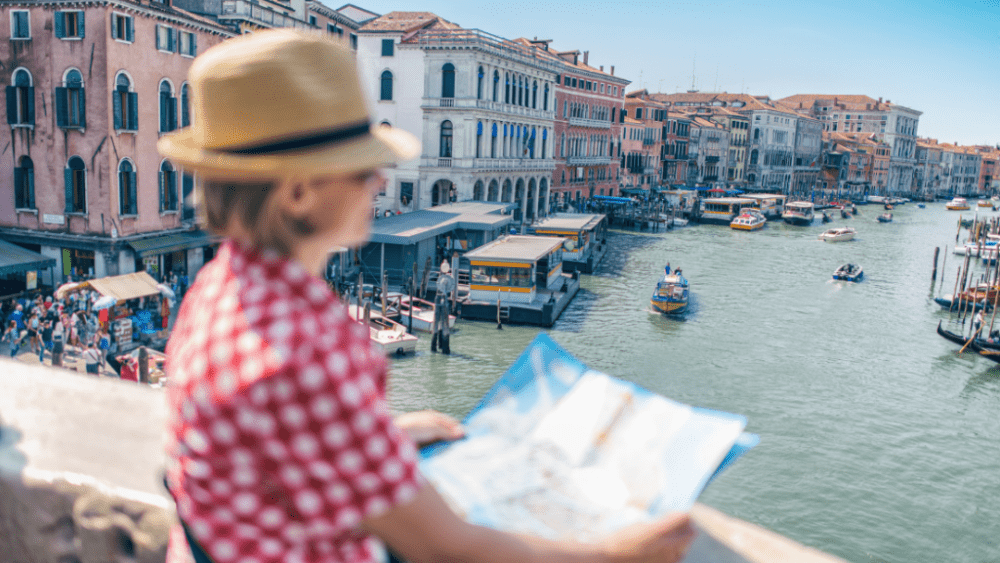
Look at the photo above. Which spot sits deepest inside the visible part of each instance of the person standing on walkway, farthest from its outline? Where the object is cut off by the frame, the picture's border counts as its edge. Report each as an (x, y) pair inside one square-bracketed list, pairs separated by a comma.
[(12, 336), (58, 344), (92, 359)]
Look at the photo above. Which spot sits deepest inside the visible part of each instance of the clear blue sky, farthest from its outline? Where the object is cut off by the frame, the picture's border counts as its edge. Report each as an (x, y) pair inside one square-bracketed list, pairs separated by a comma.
[(941, 58)]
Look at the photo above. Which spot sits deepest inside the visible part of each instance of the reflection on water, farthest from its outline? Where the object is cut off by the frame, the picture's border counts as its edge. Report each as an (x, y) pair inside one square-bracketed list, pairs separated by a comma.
[(878, 440)]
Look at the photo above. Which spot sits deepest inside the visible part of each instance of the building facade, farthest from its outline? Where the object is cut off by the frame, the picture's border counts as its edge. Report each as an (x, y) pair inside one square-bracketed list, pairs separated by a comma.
[(642, 164)]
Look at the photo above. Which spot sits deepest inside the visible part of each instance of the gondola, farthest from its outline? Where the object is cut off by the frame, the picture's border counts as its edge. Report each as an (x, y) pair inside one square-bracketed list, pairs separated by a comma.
[(961, 304), (977, 343), (991, 354)]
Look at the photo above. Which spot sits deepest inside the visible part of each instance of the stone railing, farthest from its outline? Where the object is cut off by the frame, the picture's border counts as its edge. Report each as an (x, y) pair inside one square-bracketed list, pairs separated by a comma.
[(588, 160), (586, 122), (509, 110), (81, 461)]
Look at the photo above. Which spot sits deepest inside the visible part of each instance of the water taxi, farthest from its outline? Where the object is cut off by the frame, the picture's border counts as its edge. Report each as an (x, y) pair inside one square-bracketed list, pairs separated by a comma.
[(749, 220), (841, 234), (386, 335), (723, 209), (988, 203), (401, 306), (671, 294), (771, 205), (849, 272), (957, 204), (798, 213), (885, 218)]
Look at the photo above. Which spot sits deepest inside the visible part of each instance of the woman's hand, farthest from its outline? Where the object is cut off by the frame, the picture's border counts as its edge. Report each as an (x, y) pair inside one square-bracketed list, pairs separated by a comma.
[(426, 427), (664, 541)]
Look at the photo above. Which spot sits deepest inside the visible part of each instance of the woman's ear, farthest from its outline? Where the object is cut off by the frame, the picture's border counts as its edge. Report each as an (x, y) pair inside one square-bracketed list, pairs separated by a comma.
[(296, 197)]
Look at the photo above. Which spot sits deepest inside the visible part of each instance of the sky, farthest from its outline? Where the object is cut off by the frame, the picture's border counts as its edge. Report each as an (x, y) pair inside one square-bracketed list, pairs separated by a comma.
[(940, 58)]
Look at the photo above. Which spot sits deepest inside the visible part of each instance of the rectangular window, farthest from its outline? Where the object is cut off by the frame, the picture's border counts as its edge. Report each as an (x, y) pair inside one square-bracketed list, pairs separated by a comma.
[(71, 107), (188, 44), (405, 192), (354, 41), (387, 47), (121, 28), (20, 27), (312, 21), (166, 39), (69, 24), (331, 28)]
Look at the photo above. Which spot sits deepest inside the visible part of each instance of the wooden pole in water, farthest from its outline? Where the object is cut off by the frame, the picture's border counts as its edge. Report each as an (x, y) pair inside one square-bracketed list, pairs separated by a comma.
[(937, 250), (413, 280), (385, 289), (361, 295), (499, 324), (944, 262), (954, 294), (959, 231)]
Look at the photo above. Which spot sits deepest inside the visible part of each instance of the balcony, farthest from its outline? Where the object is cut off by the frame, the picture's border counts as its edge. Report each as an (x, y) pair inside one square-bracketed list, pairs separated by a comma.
[(648, 142), (649, 170), (489, 105), (588, 160), (592, 123), (259, 15), (496, 164)]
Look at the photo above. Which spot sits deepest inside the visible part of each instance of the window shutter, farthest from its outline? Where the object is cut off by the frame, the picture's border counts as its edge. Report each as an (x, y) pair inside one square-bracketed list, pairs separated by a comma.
[(133, 111), (31, 189), (129, 32), (68, 185), (121, 193), (31, 105), (172, 113), (18, 182), (60, 18), (83, 108), (80, 24), (11, 105), (62, 108), (162, 189), (164, 111), (172, 40), (116, 99), (134, 204), (194, 44), (185, 112)]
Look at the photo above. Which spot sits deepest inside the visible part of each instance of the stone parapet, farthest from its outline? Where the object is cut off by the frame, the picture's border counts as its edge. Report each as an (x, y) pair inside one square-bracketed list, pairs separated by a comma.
[(81, 460)]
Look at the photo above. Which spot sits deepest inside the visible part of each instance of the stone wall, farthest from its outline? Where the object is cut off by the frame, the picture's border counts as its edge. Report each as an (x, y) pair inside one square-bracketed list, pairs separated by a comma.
[(81, 461)]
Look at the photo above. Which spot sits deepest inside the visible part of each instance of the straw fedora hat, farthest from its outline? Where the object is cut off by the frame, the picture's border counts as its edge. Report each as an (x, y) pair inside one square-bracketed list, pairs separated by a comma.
[(281, 101)]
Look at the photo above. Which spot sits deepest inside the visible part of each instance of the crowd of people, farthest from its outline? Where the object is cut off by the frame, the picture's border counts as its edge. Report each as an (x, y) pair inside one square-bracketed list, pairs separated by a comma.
[(53, 328)]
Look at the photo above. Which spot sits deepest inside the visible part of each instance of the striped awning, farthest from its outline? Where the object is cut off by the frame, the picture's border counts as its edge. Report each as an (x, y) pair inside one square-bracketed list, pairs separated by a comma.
[(173, 242), (14, 259)]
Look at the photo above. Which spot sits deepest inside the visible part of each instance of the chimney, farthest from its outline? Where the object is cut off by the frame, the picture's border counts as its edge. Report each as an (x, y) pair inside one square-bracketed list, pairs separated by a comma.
[(602, 68), (586, 55), (612, 70), (880, 99)]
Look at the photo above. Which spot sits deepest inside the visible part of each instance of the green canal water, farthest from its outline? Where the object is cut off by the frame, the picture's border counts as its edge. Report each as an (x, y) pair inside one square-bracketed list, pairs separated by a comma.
[(879, 442)]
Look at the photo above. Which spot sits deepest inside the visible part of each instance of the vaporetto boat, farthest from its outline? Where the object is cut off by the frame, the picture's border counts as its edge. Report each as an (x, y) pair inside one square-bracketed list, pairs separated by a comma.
[(957, 204), (798, 213)]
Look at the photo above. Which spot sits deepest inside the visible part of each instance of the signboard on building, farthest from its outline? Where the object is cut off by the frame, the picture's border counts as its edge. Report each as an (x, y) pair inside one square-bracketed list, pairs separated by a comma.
[(123, 332), (53, 219), (31, 279)]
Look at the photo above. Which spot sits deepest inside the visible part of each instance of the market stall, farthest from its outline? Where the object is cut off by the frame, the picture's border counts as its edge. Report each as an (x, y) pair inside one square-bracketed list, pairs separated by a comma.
[(132, 306)]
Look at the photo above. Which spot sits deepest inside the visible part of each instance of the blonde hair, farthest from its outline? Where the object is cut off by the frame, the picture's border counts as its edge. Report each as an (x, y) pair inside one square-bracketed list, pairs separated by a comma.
[(253, 204)]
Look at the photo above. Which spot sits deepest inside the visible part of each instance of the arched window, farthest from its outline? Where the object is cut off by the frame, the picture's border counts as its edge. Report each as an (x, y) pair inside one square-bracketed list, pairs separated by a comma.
[(24, 184), (545, 99), (493, 141), (496, 84), (448, 81), (534, 95), (168, 187), (185, 105), (479, 84), (127, 204), (21, 99), (753, 156), (545, 137), (386, 86), (756, 135), (70, 102), (126, 104), (520, 91), (479, 139), (75, 176), (506, 95), (531, 144), (168, 107), (446, 135)]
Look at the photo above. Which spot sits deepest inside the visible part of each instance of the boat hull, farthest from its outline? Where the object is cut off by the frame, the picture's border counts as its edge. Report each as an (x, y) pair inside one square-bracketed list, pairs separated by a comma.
[(669, 307), (798, 220), (750, 227)]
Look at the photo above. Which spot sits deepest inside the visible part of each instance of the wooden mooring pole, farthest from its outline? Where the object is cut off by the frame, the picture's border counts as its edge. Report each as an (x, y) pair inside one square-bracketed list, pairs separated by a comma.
[(937, 250)]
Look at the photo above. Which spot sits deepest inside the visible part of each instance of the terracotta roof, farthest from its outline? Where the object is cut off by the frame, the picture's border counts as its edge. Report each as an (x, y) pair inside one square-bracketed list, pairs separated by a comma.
[(407, 21)]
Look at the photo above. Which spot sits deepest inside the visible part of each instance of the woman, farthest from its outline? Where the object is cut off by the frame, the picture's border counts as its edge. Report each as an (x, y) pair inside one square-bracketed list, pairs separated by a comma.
[(263, 354), (12, 336)]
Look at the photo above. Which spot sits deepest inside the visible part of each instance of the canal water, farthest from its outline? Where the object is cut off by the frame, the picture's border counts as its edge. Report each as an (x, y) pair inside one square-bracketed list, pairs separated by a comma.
[(879, 442)]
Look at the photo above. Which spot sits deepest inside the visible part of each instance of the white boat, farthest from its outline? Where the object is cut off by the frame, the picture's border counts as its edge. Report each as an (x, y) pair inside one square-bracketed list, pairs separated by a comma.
[(986, 203), (423, 311), (798, 213), (749, 220), (957, 204), (680, 222), (386, 334), (876, 199), (840, 234)]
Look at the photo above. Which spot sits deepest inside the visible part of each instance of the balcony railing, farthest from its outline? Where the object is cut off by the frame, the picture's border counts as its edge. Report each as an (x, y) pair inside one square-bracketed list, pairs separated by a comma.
[(261, 15), (518, 164), (450, 39), (444, 163), (648, 142), (593, 123), (473, 103), (588, 160), (649, 170)]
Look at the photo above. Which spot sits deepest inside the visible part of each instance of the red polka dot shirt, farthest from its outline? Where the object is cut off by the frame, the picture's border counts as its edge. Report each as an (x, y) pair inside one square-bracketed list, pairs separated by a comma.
[(280, 438)]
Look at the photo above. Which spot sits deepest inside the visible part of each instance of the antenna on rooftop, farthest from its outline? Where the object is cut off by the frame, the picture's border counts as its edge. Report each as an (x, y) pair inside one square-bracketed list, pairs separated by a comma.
[(694, 59), (716, 79)]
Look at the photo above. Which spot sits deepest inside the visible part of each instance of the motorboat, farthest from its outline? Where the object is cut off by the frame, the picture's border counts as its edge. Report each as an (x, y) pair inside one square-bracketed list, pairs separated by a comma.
[(921, 205), (385, 334), (798, 213), (840, 234), (749, 220), (876, 199), (671, 294), (888, 207), (987, 203), (849, 272), (680, 222), (884, 218), (399, 305), (957, 204)]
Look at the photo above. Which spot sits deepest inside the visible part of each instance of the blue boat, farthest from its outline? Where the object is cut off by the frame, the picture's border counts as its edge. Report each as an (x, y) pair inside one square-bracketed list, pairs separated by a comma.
[(671, 294), (849, 272)]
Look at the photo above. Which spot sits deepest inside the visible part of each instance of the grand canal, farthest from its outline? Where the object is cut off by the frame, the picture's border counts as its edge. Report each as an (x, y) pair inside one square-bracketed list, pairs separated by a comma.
[(879, 443)]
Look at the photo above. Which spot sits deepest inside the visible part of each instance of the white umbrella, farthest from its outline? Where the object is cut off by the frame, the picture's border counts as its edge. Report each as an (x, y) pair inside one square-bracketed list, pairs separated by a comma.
[(166, 291), (105, 302)]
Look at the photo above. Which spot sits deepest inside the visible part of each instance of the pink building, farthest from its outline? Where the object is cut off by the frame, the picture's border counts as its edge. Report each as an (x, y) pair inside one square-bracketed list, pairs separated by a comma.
[(90, 87)]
